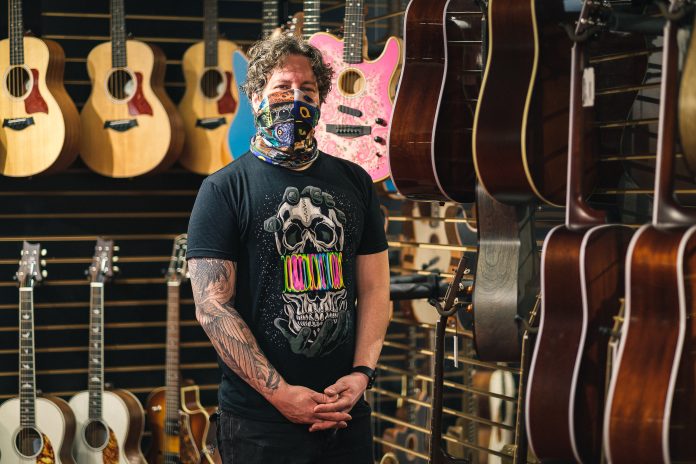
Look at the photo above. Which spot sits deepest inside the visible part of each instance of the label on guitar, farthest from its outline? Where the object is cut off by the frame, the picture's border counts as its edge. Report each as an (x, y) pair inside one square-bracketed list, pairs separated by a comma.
[(588, 87)]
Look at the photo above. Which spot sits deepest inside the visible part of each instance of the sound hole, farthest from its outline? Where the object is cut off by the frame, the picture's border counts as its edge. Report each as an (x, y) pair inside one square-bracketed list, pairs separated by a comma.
[(18, 81), (351, 82), (96, 434), (29, 442), (212, 83), (121, 84)]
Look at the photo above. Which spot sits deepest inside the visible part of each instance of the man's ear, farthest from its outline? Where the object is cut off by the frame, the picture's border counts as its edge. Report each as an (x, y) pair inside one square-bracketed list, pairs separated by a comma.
[(256, 101)]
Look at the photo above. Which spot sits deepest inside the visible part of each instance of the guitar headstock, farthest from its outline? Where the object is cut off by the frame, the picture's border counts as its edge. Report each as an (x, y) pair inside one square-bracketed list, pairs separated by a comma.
[(593, 18), (458, 289), (31, 270), (102, 267), (178, 267)]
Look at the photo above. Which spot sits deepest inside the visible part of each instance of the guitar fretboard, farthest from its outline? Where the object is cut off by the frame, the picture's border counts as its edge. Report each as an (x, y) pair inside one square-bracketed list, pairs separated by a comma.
[(270, 17), (27, 379), (16, 33), (172, 394), (353, 30), (311, 18), (96, 350), (118, 34), (210, 33)]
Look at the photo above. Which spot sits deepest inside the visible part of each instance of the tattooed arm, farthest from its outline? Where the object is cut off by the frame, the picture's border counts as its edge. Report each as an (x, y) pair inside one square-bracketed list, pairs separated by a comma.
[(213, 282)]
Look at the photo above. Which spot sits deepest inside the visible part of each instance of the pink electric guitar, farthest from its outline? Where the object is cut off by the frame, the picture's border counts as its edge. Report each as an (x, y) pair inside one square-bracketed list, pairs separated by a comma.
[(354, 124)]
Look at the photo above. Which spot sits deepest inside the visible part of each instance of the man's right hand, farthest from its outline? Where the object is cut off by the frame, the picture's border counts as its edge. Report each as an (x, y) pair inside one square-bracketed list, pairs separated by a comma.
[(297, 404)]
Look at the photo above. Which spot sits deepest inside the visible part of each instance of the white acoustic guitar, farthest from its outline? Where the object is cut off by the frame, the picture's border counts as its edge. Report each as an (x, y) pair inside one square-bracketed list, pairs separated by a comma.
[(109, 423), (33, 430)]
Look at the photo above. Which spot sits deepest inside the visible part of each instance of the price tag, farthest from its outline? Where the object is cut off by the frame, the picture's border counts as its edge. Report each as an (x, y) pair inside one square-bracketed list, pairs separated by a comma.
[(588, 87)]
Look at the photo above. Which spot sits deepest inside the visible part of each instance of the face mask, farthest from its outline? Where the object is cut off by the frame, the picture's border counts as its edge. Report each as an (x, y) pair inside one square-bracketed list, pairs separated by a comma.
[(285, 123)]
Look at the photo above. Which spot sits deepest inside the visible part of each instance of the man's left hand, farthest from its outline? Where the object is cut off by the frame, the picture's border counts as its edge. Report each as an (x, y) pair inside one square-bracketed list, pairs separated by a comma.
[(349, 389)]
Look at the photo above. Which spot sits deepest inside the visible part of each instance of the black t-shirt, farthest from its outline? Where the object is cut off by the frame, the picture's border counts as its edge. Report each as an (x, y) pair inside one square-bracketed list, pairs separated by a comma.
[(295, 236)]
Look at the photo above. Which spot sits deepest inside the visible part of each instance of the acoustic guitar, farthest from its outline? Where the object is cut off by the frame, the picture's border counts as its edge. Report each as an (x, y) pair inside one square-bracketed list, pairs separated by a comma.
[(33, 429), (211, 98), (40, 129), (520, 140), (178, 422), (130, 126), (355, 117), (430, 133), (650, 415), (109, 423), (582, 283)]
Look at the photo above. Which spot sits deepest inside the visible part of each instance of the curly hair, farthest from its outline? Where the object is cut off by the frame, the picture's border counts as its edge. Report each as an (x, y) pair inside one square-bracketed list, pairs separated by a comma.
[(267, 55)]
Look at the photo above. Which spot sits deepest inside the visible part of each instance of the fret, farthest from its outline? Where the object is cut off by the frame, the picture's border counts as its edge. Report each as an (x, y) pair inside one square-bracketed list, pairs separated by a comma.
[(173, 383), (118, 34), (16, 33), (354, 29), (311, 18), (210, 33), (95, 371), (270, 17), (27, 378)]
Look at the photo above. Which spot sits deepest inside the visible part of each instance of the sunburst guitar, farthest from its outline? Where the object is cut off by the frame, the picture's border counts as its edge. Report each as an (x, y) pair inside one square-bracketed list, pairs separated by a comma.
[(130, 126), (211, 98), (356, 114), (39, 128)]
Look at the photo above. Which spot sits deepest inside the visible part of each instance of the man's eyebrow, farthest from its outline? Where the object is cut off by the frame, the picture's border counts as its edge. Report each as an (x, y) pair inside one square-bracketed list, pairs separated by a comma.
[(287, 81)]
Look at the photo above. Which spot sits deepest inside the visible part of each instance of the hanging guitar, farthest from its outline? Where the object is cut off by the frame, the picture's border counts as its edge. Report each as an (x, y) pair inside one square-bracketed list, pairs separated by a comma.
[(357, 112), (40, 126), (178, 422), (430, 133), (211, 98), (650, 414), (109, 423), (33, 429), (130, 126)]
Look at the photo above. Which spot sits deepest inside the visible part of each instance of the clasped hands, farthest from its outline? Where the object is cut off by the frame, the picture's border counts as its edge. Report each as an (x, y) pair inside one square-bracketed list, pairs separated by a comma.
[(323, 411)]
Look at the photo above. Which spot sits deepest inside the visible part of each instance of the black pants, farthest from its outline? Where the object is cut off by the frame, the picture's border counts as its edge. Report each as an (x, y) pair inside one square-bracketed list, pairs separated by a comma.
[(246, 441)]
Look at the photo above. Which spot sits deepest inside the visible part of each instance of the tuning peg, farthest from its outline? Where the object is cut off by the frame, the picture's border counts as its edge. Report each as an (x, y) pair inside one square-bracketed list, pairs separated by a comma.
[(44, 273), (43, 252), (117, 248), (116, 269), (188, 276), (43, 262), (114, 259)]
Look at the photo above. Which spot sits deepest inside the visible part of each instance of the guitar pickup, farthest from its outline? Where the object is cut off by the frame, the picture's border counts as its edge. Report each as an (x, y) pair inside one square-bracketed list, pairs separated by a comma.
[(349, 132), (121, 125), (210, 123), (18, 124), (351, 111)]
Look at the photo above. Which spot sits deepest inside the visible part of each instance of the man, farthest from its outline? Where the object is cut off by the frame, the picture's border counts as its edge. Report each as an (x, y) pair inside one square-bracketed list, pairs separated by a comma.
[(288, 263)]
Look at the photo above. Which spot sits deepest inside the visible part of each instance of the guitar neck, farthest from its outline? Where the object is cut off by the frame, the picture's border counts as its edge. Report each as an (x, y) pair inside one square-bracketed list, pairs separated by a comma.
[(96, 350), (270, 17), (16, 27), (312, 17), (210, 33), (172, 394), (353, 31), (118, 34), (27, 377)]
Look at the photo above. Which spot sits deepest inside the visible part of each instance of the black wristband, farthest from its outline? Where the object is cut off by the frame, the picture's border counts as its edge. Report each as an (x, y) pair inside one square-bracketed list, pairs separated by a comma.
[(369, 372)]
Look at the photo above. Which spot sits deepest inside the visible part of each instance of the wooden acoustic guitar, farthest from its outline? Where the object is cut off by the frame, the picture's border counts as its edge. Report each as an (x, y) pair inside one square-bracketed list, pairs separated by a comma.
[(650, 414), (32, 429), (178, 422), (130, 126), (430, 133), (109, 423), (357, 112), (40, 126), (211, 98), (582, 284), (520, 129)]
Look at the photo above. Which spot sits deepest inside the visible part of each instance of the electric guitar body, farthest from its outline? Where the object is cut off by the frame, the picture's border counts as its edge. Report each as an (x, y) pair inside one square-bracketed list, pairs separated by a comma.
[(242, 127), (40, 127), (356, 113), (130, 126)]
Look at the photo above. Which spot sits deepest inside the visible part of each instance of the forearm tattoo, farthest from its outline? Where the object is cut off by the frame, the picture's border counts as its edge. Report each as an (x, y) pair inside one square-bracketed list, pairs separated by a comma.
[(213, 292)]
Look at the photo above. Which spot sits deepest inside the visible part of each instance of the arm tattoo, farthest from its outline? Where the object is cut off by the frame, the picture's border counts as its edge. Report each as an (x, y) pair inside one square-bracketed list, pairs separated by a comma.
[(213, 291)]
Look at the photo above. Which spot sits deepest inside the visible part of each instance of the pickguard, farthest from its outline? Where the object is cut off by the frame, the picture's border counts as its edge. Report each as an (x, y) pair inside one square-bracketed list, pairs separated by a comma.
[(35, 103), (188, 451), (47, 455), (110, 454), (138, 105), (227, 104)]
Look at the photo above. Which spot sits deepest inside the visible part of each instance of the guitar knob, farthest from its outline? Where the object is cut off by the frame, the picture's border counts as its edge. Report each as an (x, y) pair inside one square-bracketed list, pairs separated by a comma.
[(379, 140), (117, 248), (43, 252), (381, 122), (116, 269), (44, 273), (114, 259), (43, 262)]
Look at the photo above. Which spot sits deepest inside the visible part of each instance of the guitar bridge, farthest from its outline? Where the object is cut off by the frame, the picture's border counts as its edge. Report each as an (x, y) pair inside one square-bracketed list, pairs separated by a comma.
[(210, 123), (18, 124), (347, 131), (121, 125)]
